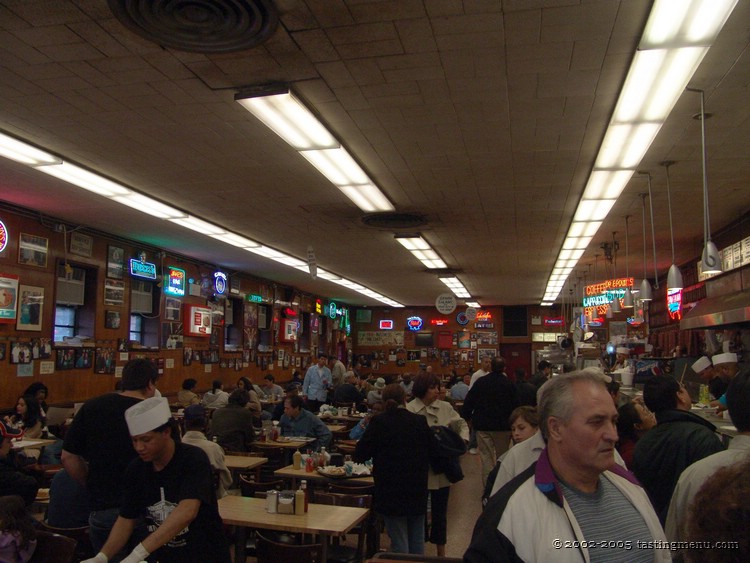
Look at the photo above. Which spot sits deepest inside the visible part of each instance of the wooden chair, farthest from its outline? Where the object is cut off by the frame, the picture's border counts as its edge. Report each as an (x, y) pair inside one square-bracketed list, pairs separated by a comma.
[(248, 488), (269, 551), (53, 548), (276, 460), (352, 489), (338, 553), (83, 548)]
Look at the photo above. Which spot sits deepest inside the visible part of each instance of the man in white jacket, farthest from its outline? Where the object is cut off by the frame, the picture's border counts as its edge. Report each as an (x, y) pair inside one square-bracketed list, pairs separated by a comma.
[(575, 499)]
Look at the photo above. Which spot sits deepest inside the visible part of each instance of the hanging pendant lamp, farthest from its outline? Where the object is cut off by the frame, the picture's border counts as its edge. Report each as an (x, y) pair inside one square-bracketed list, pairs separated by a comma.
[(674, 277), (645, 293), (615, 303), (627, 300), (710, 257)]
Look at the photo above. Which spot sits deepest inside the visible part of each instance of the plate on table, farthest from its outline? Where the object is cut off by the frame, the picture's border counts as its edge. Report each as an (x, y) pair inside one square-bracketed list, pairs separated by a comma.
[(42, 494), (333, 472)]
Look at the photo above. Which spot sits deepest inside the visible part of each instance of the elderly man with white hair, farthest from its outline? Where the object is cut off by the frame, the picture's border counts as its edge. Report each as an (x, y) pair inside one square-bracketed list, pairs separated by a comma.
[(170, 485)]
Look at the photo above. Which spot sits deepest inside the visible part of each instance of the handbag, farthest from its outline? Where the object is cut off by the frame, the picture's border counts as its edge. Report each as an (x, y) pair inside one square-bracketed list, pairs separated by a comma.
[(447, 448)]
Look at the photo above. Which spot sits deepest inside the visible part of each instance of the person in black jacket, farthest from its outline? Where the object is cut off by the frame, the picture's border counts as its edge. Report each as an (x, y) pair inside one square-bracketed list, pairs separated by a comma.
[(488, 407), (399, 443)]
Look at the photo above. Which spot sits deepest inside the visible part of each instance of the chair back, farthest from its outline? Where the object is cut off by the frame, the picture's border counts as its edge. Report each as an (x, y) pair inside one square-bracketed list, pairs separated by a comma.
[(352, 489), (53, 548), (80, 535), (248, 488), (269, 551), (276, 459)]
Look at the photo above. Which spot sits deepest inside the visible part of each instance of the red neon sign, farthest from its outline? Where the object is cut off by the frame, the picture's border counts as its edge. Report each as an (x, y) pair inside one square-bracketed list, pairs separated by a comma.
[(386, 325), (439, 322)]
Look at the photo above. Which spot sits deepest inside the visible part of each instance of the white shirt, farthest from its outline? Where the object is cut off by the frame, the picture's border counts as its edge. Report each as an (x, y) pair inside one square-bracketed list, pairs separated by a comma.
[(693, 478), (215, 455)]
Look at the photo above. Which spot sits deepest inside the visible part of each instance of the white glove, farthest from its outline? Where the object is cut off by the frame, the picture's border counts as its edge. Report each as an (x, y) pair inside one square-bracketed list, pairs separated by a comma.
[(99, 558), (137, 555)]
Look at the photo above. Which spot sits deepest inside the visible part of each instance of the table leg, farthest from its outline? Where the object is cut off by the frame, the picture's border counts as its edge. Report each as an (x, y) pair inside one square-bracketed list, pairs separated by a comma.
[(239, 546), (324, 547)]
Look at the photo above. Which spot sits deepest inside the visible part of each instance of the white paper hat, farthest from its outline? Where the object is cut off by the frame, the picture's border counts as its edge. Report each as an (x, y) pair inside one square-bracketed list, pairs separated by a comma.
[(725, 358), (623, 350), (147, 415), (700, 364)]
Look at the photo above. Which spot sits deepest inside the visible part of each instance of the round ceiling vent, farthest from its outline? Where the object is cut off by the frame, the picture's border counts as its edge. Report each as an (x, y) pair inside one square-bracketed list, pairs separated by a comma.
[(394, 221), (208, 26)]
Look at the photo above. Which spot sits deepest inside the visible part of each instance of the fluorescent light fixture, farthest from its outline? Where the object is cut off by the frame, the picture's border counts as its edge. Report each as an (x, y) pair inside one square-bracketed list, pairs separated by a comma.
[(573, 243), (584, 228), (455, 285), (150, 206), (546, 304), (567, 254), (24, 153), (367, 197), (606, 184), (593, 209), (680, 23), (422, 250), (474, 304), (328, 276), (199, 225), (337, 165), (84, 179), (237, 240), (290, 119)]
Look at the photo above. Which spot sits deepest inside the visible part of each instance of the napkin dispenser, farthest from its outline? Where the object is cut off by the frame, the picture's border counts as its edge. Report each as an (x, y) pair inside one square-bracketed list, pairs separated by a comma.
[(337, 460), (286, 502)]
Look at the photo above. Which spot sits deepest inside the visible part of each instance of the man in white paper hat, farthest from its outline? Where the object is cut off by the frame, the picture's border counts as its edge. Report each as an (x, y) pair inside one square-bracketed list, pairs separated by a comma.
[(725, 367), (705, 370), (170, 485)]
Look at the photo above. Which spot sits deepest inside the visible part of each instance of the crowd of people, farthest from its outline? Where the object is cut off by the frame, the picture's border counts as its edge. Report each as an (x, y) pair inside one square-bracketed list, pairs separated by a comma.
[(568, 465)]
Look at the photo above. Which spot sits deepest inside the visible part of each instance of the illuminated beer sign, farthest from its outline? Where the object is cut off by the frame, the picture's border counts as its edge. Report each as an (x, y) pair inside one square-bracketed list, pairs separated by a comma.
[(386, 324), (414, 323), (439, 322), (484, 316), (175, 282), (141, 269), (3, 236), (254, 298), (674, 304), (220, 282)]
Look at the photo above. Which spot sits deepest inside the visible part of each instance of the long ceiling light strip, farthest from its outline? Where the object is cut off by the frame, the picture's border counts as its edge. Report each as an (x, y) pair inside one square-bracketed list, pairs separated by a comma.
[(283, 113), (422, 251), (455, 285), (48, 163), (677, 36)]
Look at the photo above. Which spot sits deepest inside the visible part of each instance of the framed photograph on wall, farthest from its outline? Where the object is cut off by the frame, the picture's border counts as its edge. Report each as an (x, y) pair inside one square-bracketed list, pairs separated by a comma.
[(84, 358), (114, 292), (32, 250), (65, 358), (115, 262), (30, 307), (105, 361), (3, 351), (82, 245), (112, 319), (172, 309)]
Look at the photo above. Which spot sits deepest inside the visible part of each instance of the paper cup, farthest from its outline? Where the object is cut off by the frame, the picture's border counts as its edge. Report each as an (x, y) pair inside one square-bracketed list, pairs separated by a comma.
[(627, 378)]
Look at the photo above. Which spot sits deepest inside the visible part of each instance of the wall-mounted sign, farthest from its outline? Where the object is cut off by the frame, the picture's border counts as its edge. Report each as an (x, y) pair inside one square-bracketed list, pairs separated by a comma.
[(386, 325), (220, 282), (484, 316), (462, 319), (483, 324), (331, 310), (674, 304), (471, 313), (3, 236), (197, 320), (554, 321), (608, 285), (288, 312), (414, 323), (254, 298), (318, 307), (175, 282), (445, 303), (439, 322), (142, 269)]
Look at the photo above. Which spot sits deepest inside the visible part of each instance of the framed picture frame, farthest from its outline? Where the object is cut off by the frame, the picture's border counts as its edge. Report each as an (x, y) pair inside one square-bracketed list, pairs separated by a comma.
[(82, 245), (30, 307), (112, 319), (65, 358), (3, 351), (20, 353), (32, 250), (105, 361), (115, 262), (84, 358), (172, 309), (114, 292)]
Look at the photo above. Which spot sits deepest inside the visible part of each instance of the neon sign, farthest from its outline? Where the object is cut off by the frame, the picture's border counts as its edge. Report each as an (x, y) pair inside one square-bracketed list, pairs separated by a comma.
[(220, 282), (674, 304), (439, 322), (484, 316), (414, 323), (175, 282), (141, 269), (318, 307), (554, 321), (462, 319), (386, 325), (609, 285), (3, 236), (254, 298)]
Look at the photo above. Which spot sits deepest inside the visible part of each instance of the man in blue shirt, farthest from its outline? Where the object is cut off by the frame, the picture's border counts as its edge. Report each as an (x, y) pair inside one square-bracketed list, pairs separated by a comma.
[(318, 380), (296, 421)]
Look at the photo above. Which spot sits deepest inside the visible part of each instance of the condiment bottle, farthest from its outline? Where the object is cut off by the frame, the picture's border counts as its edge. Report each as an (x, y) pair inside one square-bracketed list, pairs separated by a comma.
[(299, 501), (297, 460), (309, 464), (325, 457), (303, 488)]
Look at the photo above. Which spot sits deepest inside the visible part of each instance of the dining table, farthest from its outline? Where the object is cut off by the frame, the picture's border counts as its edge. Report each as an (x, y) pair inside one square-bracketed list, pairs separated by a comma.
[(296, 475), (24, 443), (237, 463), (321, 519)]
